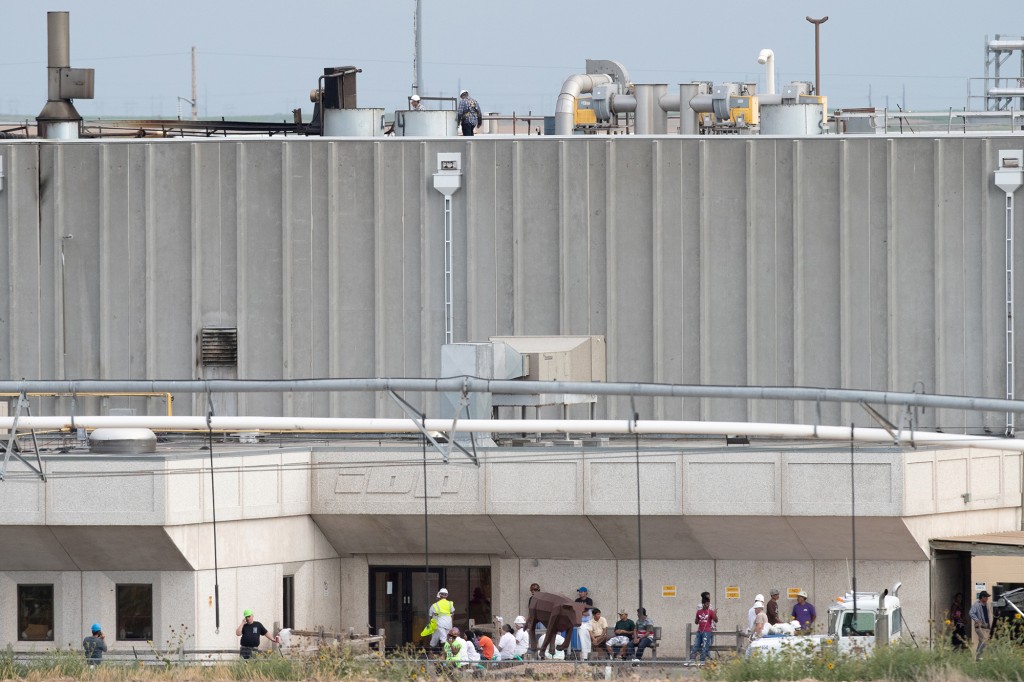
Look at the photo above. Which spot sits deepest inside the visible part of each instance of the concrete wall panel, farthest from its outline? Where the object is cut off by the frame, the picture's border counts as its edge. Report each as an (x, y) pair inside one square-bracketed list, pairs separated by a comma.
[(858, 262)]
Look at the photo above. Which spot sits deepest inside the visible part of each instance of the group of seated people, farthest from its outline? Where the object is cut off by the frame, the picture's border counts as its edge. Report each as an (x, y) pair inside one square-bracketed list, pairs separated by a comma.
[(476, 647), (626, 639)]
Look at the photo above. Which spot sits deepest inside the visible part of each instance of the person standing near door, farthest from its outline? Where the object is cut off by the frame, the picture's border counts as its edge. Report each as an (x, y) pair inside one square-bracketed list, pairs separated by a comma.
[(441, 612), (982, 622)]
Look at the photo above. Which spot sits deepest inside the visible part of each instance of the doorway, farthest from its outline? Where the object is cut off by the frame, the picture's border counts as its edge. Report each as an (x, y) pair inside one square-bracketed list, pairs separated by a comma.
[(400, 598)]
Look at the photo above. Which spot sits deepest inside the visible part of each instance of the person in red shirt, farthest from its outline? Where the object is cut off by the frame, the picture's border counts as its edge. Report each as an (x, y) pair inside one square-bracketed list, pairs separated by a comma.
[(705, 621)]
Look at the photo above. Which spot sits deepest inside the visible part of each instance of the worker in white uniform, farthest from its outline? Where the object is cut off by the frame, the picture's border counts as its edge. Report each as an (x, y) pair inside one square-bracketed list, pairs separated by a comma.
[(441, 611)]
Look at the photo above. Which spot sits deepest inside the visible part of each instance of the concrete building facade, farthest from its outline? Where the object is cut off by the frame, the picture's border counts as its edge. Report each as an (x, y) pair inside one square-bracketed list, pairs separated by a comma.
[(839, 261), (330, 536), (856, 262)]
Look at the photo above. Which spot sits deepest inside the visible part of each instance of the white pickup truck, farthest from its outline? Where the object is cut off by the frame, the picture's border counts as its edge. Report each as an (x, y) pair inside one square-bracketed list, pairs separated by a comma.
[(856, 625)]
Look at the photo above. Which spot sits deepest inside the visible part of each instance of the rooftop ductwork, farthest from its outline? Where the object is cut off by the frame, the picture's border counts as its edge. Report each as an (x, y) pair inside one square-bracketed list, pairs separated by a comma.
[(599, 72), (59, 120)]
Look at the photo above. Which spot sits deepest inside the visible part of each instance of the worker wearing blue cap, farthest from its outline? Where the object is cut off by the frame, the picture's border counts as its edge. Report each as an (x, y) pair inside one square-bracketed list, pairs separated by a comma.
[(94, 645), (582, 597)]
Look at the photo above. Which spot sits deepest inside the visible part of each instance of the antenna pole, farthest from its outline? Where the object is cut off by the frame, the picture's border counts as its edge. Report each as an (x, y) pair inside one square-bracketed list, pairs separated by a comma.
[(195, 105), (417, 55), (817, 52)]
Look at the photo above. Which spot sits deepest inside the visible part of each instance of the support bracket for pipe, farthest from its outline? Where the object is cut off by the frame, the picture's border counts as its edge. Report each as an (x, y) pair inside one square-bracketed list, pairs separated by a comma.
[(417, 418), (881, 420), (12, 442)]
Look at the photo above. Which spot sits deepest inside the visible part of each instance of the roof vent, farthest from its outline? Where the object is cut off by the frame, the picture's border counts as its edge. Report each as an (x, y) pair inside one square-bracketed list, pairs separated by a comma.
[(122, 441), (218, 346)]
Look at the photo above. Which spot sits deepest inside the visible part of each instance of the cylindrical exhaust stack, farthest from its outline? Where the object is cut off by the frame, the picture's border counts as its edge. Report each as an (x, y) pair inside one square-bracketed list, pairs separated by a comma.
[(59, 120)]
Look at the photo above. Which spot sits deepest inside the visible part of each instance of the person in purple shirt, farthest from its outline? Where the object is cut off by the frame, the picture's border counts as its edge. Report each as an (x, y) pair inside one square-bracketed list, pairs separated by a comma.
[(804, 612)]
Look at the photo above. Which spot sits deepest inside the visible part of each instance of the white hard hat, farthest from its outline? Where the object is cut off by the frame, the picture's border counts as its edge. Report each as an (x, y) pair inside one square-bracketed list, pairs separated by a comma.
[(520, 620), (463, 92), (758, 598), (415, 98), (442, 591), (759, 605)]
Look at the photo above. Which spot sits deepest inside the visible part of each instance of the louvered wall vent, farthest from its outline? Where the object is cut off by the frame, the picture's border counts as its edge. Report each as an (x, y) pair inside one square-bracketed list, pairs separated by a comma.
[(218, 346)]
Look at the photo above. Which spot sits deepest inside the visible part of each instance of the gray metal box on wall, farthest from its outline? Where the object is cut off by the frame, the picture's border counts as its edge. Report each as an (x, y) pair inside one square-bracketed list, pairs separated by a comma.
[(77, 83)]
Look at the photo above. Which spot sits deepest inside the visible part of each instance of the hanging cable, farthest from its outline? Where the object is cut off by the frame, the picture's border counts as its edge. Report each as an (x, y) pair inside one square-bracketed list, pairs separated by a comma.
[(213, 508), (853, 529), (426, 545), (639, 536)]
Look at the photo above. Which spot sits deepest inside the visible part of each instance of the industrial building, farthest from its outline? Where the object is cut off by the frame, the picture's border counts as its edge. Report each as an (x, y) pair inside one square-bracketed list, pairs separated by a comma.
[(878, 263)]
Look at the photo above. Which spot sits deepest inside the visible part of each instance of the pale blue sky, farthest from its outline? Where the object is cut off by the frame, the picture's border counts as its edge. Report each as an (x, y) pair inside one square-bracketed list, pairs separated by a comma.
[(258, 57)]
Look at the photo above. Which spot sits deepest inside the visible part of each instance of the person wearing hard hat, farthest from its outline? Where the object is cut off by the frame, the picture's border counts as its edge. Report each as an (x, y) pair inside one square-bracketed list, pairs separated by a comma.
[(441, 612), (751, 613), (250, 630), (415, 103), (760, 621), (467, 112), (522, 637), (94, 645), (804, 612)]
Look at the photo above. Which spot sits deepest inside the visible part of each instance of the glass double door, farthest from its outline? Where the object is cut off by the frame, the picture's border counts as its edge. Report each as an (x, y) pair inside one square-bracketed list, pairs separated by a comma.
[(400, 598)]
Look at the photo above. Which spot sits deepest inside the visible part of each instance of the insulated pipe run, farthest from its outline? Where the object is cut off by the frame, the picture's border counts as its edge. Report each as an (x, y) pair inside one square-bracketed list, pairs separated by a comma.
[(515, 387), (572, 88), (767, 57), (566, 426)]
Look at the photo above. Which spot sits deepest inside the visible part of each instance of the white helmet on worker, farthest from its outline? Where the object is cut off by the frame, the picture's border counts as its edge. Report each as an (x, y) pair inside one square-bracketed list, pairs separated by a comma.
[(443, 592), (519, 620), (415, 98), (463, 92)]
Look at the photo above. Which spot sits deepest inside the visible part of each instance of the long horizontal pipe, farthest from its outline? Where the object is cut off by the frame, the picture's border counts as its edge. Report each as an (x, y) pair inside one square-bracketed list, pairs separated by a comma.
[(566, 426), (474, 385)]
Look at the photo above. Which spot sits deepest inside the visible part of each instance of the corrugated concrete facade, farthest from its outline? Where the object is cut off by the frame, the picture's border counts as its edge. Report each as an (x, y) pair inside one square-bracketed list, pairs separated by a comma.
[(858, 262)]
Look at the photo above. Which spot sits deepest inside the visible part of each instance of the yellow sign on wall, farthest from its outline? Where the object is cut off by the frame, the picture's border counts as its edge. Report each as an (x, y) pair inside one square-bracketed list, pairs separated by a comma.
[(668, 590), (732, 592), (791, 592)]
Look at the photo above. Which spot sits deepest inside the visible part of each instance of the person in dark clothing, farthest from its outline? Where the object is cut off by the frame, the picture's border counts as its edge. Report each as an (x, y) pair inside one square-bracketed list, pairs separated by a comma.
[(94, 645), (250, 630), (956, 619)]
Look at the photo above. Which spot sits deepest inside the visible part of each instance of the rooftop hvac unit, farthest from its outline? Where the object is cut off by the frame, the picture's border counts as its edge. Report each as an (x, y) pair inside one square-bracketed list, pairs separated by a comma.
[(560, 358)]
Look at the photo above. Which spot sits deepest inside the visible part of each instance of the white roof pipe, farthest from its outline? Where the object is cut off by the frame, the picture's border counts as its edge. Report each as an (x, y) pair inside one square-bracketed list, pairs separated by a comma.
[(1005, 45), (767, 57), (572, 88), (608, 426)]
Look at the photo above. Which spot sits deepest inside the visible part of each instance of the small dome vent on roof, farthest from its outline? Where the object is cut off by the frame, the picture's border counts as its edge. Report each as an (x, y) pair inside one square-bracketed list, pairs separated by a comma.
[(122, 441)]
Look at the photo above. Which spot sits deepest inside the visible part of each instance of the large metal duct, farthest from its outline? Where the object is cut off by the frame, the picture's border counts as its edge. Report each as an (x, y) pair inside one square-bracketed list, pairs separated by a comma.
[(651, 118), (59, 120), (572, 88)]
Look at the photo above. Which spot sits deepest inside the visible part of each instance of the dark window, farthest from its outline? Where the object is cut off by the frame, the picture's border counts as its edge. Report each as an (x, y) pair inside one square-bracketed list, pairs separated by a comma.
[(288, 590), (135, 612), (35, 612)]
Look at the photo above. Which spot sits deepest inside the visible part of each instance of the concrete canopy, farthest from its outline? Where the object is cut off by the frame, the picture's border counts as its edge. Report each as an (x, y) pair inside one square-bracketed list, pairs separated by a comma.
[(1010, 543), (89, 548), (615, 537)]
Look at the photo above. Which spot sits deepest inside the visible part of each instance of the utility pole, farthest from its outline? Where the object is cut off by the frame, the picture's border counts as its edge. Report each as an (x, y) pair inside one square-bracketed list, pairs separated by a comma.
[(195, 102), (817, 52), (417, 54)]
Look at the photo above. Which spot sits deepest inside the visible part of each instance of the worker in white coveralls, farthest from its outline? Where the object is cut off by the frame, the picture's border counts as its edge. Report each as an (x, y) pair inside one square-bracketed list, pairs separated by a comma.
[(441, 612)]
